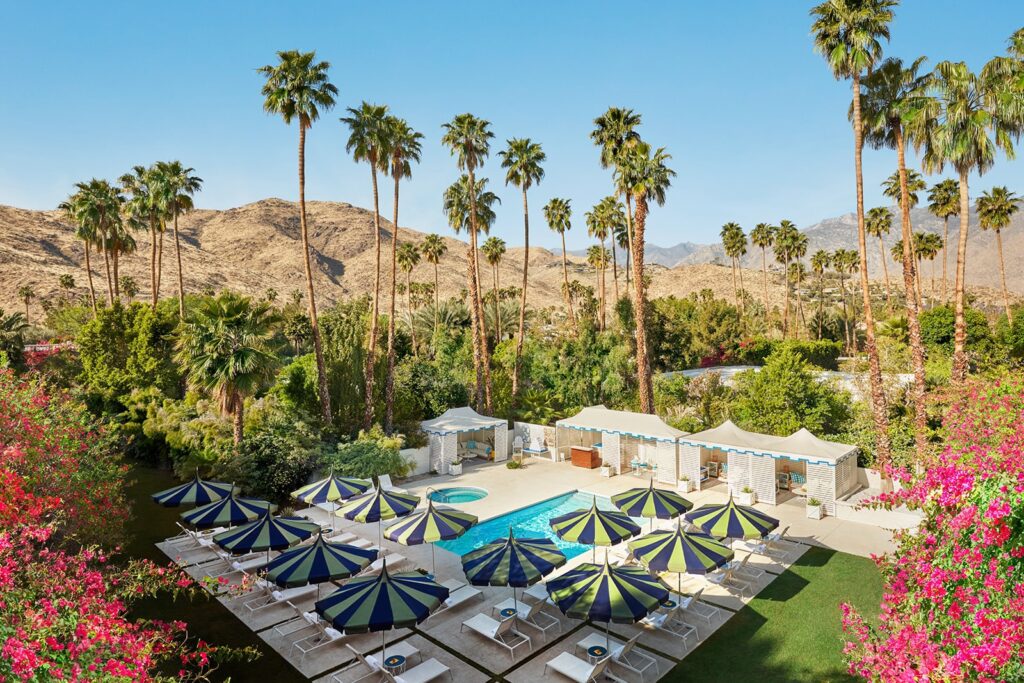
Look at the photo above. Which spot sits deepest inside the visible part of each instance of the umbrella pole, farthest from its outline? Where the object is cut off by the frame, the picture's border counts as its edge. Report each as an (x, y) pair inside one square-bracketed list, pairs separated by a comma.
[(433, 562), (607, 638), (334, 514), (383, 646)]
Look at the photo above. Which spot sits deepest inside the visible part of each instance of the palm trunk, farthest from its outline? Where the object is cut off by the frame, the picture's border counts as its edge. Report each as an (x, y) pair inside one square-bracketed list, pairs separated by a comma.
[(408, 309), (743, 303), (821, 301), (159, 259), (88, 271), (885, 269), (106, 263), (521, 332), (800, 310), (239, 421), (880, 409), (568, 293), (846, 315), (764, 271), (1002, 278), (945, 250), (497, 308), (643, 360), (371, 351), (153, 287), (389, 378), (314, 321), (177, 254), (959, 373), (919, 264), (437, 296), (630, 254), (604, 267), (785, 313), (735, 291), (117, 271), (482, 354)]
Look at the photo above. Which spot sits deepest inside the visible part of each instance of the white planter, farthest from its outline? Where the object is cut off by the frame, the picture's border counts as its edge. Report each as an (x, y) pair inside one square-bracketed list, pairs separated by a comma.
[(814, 512), (746, 498), (685, 486), (874, 479), (606, 471), (455, 469)]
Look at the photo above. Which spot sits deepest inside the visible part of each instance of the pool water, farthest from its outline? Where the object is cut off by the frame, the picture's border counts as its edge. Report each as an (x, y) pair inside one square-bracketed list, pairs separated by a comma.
[(457, 494), (530, 522)]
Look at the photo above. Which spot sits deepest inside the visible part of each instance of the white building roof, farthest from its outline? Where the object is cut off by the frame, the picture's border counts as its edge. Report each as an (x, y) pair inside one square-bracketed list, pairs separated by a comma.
[(800, 445), (601, 419), (460, 420)]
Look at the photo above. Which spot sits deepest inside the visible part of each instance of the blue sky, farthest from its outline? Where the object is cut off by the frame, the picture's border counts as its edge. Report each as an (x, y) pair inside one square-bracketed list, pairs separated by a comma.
[(752, 117)]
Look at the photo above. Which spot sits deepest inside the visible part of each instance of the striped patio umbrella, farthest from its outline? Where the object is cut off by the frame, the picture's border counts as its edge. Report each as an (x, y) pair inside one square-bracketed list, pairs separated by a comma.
[(331, 490), (266, 533), (651, 502), (680, 552), (732, 521), (322, 561), (196, 491), (378, 504), (604, 593), (430, 525), (381, 603), (594, 526), (227, 512), (514, 562)]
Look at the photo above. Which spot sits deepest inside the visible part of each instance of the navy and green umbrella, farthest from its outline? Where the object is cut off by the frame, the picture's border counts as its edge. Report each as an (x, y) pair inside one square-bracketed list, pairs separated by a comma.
[(331, 490), (266, 533), (732, 521), (227, 511), (317, 563), (513, 562), (430, 525), (680, 552), (594, 526), (378, 504), (381, 603), (604, 593), (651, 503), (196, 491)]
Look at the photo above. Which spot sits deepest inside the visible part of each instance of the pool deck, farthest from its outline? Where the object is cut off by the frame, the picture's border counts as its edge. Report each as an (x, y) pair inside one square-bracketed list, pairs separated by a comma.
[(470, 657)]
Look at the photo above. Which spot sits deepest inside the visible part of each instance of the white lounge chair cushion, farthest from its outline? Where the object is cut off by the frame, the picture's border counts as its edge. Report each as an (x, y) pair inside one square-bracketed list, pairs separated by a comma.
[(573, 667), (421, 673)]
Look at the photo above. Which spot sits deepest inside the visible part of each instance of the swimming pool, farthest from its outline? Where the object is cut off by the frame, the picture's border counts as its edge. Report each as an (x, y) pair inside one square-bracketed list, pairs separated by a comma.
[(529, 522), (457, 494)]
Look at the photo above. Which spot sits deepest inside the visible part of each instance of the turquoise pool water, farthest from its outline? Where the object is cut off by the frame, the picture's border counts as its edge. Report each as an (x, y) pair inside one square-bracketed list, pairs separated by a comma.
[(457, 494), (529, 522)]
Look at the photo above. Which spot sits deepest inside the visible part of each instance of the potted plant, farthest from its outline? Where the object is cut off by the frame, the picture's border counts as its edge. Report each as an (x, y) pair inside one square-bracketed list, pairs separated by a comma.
[(814, 509), (606, 470), (685, 485), (455, 469), (747, 496)]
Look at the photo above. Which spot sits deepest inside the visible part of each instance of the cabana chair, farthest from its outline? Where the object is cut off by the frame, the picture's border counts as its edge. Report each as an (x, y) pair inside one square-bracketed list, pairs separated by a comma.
[(372, 663), (693, 606), (458, 593), (504, 633), (623, 654), (671, 622), (271, 596), (189, 537), (580, 670), (395, 563), (739, 567), (771, 543), (300, 622), (421, 673), (325, 635), (386, 484), (243, 564), (539, 593), (726, 577), (531, 614)]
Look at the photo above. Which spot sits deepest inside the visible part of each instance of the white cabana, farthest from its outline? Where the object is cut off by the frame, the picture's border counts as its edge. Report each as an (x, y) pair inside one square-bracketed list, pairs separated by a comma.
[(623, 438), (800, 463), (463, 432)]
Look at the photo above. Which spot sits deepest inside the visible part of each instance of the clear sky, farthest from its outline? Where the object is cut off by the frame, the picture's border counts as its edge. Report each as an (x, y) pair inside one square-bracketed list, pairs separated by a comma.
[(755, 122)]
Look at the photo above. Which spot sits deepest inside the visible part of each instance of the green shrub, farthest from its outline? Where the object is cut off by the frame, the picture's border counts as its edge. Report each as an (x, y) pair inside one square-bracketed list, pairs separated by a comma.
[(824, 353), (370, 455)]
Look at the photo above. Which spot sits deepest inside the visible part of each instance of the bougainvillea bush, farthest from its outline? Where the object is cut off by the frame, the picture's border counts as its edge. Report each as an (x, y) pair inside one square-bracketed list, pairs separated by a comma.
[(953, 608), (64, 602)]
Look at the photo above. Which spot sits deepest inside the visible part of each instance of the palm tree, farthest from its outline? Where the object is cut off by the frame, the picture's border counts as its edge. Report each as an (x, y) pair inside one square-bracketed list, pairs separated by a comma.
[(493, 249), (368, 141), (797, 252), (129, 287), (847, 34), (915, 181), (297, 88), (72, 208), (98, 204), (598, 227), (734, 242), (523, 161), (615, 133), (558, 213), (643, 170), (403, 147), (597, 258), (26, 293), (433, 248), (615, 220), (144, 207), (225, 349), (928, 247), (878, 223), (469, 140), (67, 283), (820, 262), (841, 260), (180, 185), (995, 209), (408, 256), (762, 237), (943, 202), (786, 236)]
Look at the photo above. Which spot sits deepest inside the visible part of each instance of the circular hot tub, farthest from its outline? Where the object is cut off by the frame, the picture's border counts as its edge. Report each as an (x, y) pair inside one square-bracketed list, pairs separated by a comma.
[(457, 494)]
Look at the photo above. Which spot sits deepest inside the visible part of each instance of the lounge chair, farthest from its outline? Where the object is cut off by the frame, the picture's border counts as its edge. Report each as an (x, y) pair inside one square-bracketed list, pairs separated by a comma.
[(693, 606), (271, 596), (300, 622), (539, 593), (395, 563), (772, 543), (671, 622), (504, 633), (385, 483), (421, 673), (190, 537), (740, 567), (623, 654), (727, 578), (324, 635), (531, 615), (458, 593), (580, 670), (243, 564), (372, 663)]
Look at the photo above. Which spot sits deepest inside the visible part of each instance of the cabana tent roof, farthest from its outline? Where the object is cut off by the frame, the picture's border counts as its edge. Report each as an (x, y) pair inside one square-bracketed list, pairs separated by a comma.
[(800, 445), (601, 419), (455, 420)]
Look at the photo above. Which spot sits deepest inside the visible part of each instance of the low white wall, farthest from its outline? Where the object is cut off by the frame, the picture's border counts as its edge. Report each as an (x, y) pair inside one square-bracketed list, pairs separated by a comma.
[(887, 519), (420, 459)]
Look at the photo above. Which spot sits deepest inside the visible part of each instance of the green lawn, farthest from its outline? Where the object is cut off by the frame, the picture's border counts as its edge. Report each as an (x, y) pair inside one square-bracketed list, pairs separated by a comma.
[(791, 631)]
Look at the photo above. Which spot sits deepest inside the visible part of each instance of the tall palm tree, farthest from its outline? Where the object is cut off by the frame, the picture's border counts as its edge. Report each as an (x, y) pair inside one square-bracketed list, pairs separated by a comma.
[(99, 203), (404, 148), (615, 133), (468, 138), (67, 283), (995, 209), (841, 260), (734, 242), (26, 293), (944, 202), (621, 233), (598, 227), (297, 87), (928, 247), (915, 181), (181, 185), (523, 161), (847, 33), (226, 349), (558, 214), (645, 172), (878, 222), (141, 185), (72, 208), (615, 219), (763, 237), (597, 258), (820, 262), (494, 249), (797, 272), (786, 236), (972, 116), (408, 256), (121, 243), (433, 248)]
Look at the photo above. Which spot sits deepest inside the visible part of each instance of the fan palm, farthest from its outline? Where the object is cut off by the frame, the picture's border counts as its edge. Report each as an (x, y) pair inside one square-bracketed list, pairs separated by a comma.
[(995, 209), (523, 161), (26, 293), (404, 148), (943, 202), (468, 138), (821, 260), (433, 248), (734, 242), (615, 133), (12, 335), (928, 247), (297, 87), (841, 260), (494, 249), (878, 222), (597, 258), (598, 227), (72, 208), (558, 214), (142, 186), (615, 218), (762, 237), (892, 69), (225, 349), (99, 204), (181, 185), (67, 283), (798, 251), (786, 236), (408, 256)]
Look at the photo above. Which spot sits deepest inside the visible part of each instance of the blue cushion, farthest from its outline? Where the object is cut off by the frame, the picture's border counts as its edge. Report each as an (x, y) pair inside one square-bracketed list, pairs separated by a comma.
[(471, 444)]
